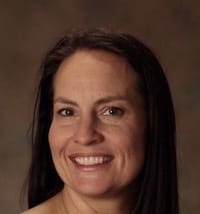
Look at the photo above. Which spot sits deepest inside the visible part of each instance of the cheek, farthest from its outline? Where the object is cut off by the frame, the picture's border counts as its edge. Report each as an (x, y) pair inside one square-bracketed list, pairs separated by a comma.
[(57, 146), (58, 136), (129, 145), (135, 142), (128, 137), (133, 147), (54, 138)]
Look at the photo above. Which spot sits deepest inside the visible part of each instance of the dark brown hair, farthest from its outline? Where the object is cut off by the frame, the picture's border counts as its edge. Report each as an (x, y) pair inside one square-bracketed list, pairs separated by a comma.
[(158, 192)]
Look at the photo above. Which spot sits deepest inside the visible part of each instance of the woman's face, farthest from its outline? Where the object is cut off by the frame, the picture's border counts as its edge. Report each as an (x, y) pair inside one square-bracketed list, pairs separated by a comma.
[(97, 135)]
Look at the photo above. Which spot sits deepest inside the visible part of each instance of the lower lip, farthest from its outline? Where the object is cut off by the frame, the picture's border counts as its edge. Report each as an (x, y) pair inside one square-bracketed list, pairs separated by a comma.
[(90, 168)]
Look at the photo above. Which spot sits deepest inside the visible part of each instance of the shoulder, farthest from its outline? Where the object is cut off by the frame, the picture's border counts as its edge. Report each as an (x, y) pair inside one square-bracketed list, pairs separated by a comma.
[(46, 207), (40, 209)]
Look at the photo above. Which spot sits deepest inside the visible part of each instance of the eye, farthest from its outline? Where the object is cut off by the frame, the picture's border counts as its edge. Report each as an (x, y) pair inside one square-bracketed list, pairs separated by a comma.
[(113, 111), (66, 112)]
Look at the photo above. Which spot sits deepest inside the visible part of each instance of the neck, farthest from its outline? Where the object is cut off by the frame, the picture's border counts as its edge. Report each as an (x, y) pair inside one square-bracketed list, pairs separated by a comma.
[(77, 203)]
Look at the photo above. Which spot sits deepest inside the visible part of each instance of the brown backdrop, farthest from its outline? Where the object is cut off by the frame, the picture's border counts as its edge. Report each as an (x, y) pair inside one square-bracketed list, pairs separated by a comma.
[(170, 27)]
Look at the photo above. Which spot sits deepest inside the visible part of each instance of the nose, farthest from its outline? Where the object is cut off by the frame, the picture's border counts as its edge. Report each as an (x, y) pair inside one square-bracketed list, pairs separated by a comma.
[(87, 132)]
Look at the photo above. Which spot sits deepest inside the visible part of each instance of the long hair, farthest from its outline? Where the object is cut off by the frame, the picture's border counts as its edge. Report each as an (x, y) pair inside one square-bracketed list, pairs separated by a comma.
[(158, 191)]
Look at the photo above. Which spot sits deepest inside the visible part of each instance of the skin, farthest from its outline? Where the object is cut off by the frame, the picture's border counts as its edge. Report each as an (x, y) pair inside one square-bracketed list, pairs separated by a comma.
[(50, 206), (98, 109)]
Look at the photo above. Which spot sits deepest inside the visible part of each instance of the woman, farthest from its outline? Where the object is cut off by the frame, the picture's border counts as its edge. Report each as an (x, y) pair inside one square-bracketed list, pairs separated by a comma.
[(103, 131)]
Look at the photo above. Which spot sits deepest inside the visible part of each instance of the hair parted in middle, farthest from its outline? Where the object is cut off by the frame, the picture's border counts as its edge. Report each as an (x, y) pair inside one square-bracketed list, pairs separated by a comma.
[(158, 190)]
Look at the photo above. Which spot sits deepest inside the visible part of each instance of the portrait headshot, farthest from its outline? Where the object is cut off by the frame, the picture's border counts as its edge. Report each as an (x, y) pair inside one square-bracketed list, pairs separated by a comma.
[(103, 129), (100, 108)]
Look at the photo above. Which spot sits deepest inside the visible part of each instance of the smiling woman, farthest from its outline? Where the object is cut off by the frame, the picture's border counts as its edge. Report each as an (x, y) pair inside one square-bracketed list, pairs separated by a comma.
[(98, 146), (103, 132)]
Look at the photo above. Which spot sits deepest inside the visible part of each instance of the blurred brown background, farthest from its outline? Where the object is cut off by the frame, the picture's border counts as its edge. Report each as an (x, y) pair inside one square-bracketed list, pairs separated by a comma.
[(27, 28)]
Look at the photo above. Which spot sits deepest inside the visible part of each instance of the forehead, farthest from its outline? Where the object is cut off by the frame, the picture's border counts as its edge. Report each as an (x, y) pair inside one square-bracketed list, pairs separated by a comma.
[(96, 70)]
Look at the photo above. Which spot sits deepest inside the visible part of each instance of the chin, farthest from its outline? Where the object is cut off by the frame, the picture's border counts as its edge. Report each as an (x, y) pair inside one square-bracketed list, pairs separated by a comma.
[(99, 189), (93, 189)]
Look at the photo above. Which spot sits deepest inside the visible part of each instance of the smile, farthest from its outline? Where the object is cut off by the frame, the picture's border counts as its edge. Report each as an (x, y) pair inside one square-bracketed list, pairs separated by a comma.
[(91, 160)]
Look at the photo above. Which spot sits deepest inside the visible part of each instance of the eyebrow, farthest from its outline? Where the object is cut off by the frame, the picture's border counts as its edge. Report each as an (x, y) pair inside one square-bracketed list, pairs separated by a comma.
[(65, 101), (98, 102), (111, 98)]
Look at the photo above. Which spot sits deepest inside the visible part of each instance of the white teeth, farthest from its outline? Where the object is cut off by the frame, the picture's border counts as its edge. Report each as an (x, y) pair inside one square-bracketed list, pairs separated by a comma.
[(92, 160)]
